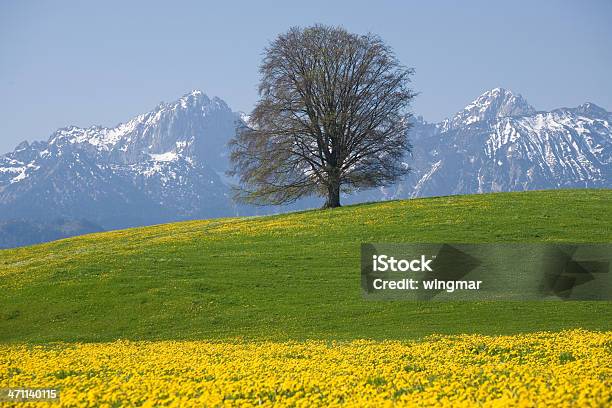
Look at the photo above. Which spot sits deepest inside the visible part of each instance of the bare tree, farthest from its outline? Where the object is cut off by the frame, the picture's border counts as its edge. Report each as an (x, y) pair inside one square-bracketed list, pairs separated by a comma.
[(332, 118)]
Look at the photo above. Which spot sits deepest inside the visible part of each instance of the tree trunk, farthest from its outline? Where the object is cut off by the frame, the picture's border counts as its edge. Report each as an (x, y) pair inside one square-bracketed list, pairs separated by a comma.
[(333, 194)]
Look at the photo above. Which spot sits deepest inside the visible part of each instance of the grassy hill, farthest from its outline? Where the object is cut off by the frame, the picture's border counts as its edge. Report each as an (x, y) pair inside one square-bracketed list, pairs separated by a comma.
[(292, 276)]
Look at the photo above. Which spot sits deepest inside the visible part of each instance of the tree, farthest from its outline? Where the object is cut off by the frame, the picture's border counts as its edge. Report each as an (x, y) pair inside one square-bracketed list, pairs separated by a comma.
[(331, 118)]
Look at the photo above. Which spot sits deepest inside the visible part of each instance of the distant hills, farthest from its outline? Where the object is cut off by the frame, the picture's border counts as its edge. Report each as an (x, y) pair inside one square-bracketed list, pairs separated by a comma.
[(169, 164), (15, 233)]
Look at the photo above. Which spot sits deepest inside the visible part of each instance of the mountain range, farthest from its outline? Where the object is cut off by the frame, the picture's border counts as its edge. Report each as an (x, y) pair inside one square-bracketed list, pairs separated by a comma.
[(169, 164), (501, 143)]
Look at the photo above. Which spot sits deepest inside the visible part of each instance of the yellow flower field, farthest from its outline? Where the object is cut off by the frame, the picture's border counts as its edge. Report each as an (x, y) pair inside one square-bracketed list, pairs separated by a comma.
[(571, 368)]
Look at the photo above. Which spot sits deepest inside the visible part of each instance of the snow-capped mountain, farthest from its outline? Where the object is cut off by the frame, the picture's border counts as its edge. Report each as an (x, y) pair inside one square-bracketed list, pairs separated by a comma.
[(169, 164), (161, 166), (501, 143)]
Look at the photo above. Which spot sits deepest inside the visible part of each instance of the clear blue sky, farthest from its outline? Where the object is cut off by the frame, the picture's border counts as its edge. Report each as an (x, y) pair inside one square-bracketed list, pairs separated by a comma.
[(102, 62)]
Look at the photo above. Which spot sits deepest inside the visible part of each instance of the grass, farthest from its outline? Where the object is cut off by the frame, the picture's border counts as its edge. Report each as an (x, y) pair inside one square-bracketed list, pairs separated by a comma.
[(291, 276)]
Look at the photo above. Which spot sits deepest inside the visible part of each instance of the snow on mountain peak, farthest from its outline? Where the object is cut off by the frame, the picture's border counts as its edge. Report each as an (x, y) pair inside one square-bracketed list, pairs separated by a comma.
[(195, 105), (495, 103), (198, 100), (590, 108), (195, 94)]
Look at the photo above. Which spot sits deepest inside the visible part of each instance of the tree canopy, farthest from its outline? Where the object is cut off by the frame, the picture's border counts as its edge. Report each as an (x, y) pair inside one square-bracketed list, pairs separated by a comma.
[(332, 117)]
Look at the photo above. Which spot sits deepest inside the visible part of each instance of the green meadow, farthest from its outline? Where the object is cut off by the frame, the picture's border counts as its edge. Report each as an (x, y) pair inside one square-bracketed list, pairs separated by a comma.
[(291, 276)]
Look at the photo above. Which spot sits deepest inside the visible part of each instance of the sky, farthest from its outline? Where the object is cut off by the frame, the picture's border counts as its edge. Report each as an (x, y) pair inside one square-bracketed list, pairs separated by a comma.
[(101, 63)]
